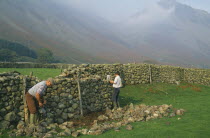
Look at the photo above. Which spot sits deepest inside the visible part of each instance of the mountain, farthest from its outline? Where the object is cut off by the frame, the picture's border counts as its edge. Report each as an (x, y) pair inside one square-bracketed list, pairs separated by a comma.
[(72, 35), (167, 31), (170, 32)]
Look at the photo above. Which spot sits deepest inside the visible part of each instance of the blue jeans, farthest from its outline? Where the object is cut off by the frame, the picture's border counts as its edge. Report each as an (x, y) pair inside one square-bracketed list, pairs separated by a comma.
[(115, 95)]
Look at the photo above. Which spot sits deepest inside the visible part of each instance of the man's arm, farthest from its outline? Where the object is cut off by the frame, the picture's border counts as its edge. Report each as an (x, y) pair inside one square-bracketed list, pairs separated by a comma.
[(115, 81), (38, 97)]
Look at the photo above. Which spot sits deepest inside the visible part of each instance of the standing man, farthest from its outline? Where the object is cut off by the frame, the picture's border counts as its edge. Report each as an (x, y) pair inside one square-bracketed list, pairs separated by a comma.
[(116, 84), (34, 98)]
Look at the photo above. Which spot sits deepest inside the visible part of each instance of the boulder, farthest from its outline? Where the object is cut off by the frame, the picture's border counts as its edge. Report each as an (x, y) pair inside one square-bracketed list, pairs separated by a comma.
[(129, 127)]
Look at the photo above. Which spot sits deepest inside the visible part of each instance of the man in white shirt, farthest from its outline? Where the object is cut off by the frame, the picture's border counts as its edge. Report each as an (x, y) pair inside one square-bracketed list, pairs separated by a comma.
[(116, 84), (34, 98)]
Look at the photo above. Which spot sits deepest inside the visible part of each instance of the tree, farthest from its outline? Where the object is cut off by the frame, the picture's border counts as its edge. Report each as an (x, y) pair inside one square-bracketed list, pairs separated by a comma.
[(7, 55), (45, 55)]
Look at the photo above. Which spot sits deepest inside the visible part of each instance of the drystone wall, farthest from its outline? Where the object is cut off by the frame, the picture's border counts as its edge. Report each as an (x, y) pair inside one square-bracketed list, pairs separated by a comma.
[(63, 102), (132, 74), (63, 97), (11, 97)]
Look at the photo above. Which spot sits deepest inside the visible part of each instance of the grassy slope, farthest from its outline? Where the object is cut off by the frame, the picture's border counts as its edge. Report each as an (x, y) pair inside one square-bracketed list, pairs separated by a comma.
[(193, 98), (41, 73)]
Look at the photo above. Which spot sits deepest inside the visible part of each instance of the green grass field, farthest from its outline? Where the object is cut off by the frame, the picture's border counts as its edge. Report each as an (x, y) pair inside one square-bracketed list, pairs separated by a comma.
[(42, 73), (195, 99)]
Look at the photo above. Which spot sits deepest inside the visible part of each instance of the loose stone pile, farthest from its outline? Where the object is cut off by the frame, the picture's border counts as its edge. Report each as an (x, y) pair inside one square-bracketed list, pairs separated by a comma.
[(112, 119)]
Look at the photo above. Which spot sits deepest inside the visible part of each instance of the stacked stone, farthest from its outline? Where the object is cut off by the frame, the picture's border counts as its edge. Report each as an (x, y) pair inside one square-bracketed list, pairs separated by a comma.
[(167, 74), (130, 73), (198, 76), (136, 73), (96, 95), (11, 101), (86, 70), (63, 98), (62, 101)]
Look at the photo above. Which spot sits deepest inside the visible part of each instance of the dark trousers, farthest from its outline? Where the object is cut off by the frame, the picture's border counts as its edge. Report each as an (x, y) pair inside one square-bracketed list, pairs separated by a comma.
[(31, 103), (115, 95)]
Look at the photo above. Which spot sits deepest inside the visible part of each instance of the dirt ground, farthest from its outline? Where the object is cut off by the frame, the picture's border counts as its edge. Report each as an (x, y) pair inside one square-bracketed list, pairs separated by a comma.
[(87, 120)]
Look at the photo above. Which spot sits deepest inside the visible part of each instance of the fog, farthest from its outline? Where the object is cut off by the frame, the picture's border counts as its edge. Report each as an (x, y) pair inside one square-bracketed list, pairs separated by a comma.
[(119, 10)]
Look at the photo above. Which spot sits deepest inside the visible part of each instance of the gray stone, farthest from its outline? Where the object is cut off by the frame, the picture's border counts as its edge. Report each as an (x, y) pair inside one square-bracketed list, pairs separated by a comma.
[(49, 120), (70, 97), (75, 106), (70, 124), (172, 114), (70, 116), (60, 121), (70, 110), (61, 106), (48, 135), (8, 107), (54, 104), (75, 134), (129, 127), (64, 116), (68, 132), (14, 88), (4, 124), (21, 107), (117, 129), (58, 112), (9, 89), (52, 126), (10, 116), (21, 125)]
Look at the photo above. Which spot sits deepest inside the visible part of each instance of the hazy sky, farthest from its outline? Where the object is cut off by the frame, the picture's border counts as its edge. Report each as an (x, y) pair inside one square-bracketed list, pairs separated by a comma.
[(120, 9)]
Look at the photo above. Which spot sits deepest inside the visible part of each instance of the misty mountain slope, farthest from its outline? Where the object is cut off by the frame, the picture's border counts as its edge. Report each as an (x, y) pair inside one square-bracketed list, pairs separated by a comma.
[(170, 32), (76, 36)]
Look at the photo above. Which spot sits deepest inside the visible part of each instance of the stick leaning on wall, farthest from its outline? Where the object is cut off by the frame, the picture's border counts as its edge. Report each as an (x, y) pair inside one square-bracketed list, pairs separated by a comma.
[(80, 96), (26, 112)]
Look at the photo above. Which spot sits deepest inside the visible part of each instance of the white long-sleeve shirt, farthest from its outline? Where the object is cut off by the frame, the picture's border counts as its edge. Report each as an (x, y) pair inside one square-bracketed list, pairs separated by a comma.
[(117, 82)]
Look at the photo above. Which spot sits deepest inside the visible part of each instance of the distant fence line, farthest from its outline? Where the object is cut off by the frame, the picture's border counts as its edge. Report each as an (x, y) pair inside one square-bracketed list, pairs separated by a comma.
[(32, 65)]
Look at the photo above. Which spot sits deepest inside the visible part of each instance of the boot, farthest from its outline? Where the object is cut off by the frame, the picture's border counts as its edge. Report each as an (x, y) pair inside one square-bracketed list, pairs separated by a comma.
[(36, 119), (118, 104), (32, 119), (115, 105)]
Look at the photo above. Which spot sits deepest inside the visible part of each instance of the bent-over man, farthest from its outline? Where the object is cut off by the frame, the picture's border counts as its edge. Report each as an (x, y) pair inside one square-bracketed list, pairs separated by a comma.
[(34, 98), (116, 84)]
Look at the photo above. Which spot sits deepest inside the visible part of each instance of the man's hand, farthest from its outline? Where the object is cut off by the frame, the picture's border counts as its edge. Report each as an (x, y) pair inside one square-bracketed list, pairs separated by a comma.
[(111, 81), (40, 104), (45, 102)]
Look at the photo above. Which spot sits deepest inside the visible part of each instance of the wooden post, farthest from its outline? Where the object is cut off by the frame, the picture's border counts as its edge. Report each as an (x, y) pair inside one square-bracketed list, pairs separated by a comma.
[(80, 96), (61, 68), (26, 112), (31, 74), (150, 74)]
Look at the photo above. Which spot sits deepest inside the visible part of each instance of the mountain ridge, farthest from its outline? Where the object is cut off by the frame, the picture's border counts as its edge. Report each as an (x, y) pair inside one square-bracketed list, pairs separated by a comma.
[(168, 31)]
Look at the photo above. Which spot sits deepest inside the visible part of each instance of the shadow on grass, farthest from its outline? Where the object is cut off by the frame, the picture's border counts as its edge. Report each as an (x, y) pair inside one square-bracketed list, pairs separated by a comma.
[(128, 100)]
